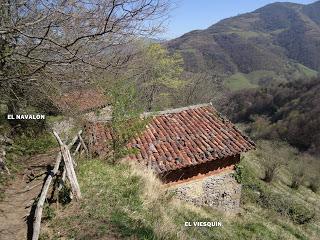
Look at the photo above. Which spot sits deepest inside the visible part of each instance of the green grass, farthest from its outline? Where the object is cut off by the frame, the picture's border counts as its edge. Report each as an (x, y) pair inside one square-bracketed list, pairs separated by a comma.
[(125, 202), (113, 205), (292, 207), (30, 145), (247, 34), (257, 76), (238, 82)]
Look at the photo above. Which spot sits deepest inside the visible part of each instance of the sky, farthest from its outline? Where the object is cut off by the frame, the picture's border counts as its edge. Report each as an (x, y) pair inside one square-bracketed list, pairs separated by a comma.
[(190, 15)]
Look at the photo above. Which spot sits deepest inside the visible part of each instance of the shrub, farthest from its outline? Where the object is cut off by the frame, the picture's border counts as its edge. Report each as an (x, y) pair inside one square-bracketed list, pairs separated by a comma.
[(297, 178), (271, 170), (238, 175), (126, 121), (300, 214), (286, 206), (262, 128), (273, 156)]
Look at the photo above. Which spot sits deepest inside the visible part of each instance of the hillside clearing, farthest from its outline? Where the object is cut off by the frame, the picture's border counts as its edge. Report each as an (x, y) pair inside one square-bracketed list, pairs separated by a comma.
[(238, 82)]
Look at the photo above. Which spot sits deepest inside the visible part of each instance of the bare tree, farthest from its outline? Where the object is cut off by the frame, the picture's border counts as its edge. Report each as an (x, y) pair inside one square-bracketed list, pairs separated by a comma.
[(201, 87), (273, 156), (44, 43)]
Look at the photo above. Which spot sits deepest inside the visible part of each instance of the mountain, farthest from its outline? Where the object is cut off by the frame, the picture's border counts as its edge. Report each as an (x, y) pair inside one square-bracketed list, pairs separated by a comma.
[(276, 43)]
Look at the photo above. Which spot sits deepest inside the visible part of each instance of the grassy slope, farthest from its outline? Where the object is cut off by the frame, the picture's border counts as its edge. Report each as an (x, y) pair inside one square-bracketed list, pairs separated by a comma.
[(238, 81), (122, 201), (282, 224)]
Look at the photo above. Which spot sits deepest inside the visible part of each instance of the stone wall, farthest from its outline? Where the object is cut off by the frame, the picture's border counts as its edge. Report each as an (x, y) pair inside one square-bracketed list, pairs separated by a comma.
[(220, 191)]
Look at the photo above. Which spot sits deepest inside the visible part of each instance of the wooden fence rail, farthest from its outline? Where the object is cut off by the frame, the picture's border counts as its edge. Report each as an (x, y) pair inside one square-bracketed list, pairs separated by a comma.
[(68, 171)]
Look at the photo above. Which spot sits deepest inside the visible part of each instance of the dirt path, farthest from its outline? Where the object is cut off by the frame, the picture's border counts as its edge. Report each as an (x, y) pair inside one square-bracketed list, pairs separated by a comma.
[(20, 195)]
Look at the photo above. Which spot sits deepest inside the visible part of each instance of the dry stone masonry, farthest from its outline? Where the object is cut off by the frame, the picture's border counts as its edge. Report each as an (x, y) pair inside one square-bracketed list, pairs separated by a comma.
[(220, 191)]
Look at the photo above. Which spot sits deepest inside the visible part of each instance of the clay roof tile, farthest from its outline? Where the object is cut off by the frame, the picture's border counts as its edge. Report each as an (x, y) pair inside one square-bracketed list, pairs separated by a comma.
[(184, 137)]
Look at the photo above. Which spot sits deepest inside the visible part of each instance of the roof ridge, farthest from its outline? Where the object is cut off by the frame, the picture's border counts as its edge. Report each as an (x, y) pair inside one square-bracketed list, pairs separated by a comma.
[(177, 110)]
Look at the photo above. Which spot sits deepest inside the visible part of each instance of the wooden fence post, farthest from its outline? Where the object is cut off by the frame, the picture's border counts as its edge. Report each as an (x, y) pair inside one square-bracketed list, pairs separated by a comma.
[(75, 188), (69, 171), (42, 198)]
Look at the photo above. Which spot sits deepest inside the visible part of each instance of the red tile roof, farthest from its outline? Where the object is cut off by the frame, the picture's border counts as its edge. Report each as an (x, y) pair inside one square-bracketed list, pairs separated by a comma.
[(181, 138), (82, 100)]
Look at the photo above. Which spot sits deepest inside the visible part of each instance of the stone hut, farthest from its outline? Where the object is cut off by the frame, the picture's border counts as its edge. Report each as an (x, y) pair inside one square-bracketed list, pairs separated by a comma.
[(193, 150)]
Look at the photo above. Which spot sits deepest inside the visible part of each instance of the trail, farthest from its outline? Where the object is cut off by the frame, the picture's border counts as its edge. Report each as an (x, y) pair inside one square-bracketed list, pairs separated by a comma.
[(20, 196)]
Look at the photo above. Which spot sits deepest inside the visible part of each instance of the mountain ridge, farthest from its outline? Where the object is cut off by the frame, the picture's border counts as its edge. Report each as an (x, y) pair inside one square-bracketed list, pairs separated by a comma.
[(279, 37)]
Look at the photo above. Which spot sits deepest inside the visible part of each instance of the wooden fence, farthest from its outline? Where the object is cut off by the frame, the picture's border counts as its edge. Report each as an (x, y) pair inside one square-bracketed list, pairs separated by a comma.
[(68, 174)]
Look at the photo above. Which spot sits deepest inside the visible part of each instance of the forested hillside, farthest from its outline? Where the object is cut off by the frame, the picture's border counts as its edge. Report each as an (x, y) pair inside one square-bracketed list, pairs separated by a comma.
[(276, 43), (289, 111)]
